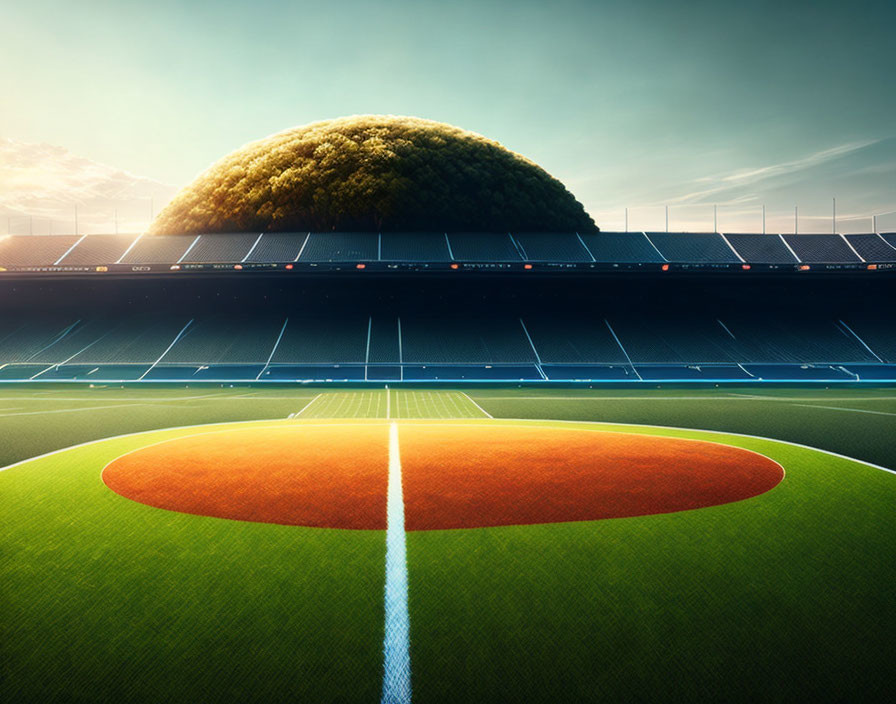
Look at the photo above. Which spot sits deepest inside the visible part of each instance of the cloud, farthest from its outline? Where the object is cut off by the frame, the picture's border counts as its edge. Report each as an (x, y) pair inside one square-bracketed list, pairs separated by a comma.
[(41, 184)]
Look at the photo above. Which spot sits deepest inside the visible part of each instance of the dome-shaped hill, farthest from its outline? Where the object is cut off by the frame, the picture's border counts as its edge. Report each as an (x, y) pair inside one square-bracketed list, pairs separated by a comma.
[(370, 173)]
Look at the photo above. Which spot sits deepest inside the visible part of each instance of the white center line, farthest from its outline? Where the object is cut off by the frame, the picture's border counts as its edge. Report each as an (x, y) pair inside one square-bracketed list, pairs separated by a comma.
[(396, 642)]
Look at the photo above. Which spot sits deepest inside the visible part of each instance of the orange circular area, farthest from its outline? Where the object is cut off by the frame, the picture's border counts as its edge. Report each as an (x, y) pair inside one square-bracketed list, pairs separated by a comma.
[(496, 476), (324, 476), (453, 476)]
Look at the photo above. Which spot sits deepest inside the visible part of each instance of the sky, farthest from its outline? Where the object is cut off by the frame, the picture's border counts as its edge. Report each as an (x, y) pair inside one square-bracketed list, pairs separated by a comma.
[(637, 103)]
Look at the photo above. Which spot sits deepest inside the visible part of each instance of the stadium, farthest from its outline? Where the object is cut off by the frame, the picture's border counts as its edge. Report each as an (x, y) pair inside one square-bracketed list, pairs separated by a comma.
[(334, 442)]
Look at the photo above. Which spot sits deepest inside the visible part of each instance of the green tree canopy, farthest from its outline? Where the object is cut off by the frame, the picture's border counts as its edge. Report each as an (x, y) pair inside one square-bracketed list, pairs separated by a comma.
[(371, 173)]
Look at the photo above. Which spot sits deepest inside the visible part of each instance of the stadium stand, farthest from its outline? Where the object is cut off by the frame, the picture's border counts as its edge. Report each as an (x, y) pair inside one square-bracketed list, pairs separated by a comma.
[(872, 248), (24, 337), (890, 237), (552, 247), (821, 249), (622, 248), (321, 340), (94, 250), (569, 340), (278, 247), (761, 249), (414, 247), (880, 338), (461, 340), (341, 247), (218, 248), (225, 340), (158, 249), (27, 250), (383, 346), (483, 247), (659, 341), (696, 247)]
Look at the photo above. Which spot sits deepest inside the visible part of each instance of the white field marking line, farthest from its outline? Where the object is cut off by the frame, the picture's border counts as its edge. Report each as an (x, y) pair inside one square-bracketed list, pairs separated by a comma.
[(488, 415), (305, 407), (728, 397), (278, 423), (396, 641), (85, 408), (388, 403), (848, 410)]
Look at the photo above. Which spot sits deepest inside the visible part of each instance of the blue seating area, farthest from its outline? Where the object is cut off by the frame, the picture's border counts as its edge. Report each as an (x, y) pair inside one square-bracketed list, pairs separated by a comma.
[(796, 372), (693, 247), (821, 249), (872, 248), (581, 372), (761, 249), (482, 247), (667, 372), (341, 247), (414, 247), (163, 252), (492, 344), (211, 249), (622, 248), (296, 372), (471, 372), (278, 247), (552, 246)]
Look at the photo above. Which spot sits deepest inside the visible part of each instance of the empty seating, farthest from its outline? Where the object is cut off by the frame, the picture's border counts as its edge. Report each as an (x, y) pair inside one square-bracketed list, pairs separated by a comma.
[(226, 340), (444, 340), (761, 249), (278, 247), (622, 247), (224, 249), (94, 250), (693, 247), (27, 250), (890, 238), (158, 249), (872, 248), (552, 247), (483, 247), (573, 340), (821, 249), (414, 247), (323, 340), (341, 247)]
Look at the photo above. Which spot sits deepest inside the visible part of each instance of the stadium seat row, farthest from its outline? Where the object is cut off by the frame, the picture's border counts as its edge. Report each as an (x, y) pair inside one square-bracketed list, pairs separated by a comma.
[(430, 247)]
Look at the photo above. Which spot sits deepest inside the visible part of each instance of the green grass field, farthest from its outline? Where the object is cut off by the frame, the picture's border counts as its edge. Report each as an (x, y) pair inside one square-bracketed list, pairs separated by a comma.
[(783, 597)]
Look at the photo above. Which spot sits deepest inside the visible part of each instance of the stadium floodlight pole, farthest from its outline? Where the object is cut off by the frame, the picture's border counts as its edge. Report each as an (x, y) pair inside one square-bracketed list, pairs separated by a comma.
[(873, 223), (834, 216), (796, 219), (667, 218), (715, 218), (626, 219)]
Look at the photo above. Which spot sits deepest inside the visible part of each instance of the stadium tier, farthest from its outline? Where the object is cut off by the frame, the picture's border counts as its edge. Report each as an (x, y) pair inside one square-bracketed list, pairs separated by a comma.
[(493, 345), (762, 249), (438, 250), (698, 247), (821, 249)]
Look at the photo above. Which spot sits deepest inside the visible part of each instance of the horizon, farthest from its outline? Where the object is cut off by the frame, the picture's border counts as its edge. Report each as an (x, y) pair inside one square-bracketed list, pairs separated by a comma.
[(637, 105)]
